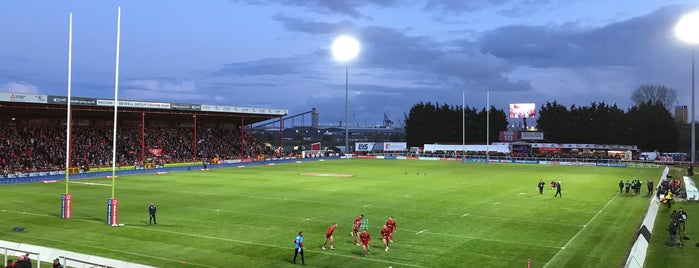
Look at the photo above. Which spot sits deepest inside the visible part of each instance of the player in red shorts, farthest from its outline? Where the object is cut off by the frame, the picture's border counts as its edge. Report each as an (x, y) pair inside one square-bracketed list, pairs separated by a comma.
[(391, 223), (365, 238), (385, 236), (355, 229), (329, 236)]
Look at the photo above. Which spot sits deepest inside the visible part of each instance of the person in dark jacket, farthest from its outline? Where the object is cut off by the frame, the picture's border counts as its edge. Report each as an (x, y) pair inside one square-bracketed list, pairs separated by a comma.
[(621, 186), (151, 211), (558, 189)]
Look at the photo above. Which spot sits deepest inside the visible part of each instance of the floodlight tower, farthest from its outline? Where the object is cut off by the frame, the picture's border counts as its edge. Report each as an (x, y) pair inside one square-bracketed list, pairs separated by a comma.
[(687, 29), (345, 48)]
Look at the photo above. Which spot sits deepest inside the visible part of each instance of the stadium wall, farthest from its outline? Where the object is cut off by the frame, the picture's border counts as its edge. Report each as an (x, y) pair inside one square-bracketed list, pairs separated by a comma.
[(480, 159), (637, 256), (45, 177)]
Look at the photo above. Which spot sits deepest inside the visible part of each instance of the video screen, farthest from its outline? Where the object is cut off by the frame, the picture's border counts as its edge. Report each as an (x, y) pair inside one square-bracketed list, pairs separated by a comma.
[(522, 110)]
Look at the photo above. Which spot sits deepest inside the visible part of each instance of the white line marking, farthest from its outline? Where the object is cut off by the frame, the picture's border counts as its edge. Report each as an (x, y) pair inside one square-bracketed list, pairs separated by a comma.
[(90, 183), (217, 238), (580, 231), (486, 239)]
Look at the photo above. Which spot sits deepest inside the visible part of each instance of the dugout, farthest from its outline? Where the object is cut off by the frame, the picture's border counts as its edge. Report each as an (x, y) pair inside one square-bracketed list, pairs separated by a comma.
[(37, 110)]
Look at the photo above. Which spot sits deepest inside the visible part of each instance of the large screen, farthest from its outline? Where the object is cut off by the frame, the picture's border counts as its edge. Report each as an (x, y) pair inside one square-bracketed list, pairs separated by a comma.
[(522, 110)]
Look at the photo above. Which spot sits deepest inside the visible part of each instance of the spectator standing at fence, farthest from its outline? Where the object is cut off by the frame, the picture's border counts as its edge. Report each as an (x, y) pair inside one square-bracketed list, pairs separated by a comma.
[(23, 261), (10, 263), (57, 263), (151, 212)]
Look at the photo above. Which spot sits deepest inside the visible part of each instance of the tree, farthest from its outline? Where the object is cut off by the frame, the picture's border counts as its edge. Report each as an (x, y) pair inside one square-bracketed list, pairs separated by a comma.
[(654, 94), (653, 128)]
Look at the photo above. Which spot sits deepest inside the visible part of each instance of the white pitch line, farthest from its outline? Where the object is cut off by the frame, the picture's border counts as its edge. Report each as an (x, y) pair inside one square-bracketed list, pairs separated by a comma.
[(267, 245), (580, 231), (216, 238), (91, 183)]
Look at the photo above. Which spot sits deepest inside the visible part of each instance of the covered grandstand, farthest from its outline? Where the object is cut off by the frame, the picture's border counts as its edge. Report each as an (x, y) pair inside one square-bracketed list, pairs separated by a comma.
[(34, 132)]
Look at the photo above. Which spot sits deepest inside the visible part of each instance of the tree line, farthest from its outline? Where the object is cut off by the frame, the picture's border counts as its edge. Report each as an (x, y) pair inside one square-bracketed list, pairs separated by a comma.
[(648, 124)]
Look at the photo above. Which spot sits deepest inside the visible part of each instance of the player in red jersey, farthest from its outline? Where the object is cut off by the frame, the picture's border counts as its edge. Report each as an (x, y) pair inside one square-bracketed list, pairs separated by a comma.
[(355, 229), (329, 236), (385, 236), (391, 223), (365, 238)]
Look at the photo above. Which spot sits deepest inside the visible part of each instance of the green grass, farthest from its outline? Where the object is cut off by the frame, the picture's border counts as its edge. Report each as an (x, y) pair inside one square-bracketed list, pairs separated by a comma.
[(450, 214)]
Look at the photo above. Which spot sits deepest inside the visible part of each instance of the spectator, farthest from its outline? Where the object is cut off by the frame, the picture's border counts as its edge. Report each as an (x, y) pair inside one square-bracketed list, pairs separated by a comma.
[(57, 263)]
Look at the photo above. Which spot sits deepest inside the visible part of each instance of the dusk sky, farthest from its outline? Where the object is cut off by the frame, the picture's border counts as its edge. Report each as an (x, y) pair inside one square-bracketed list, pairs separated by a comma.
[(276, 53)]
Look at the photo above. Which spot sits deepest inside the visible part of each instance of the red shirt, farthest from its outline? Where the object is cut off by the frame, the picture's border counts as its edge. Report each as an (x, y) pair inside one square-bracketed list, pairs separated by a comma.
[(391, 224), (365, 238), (330, 231), (386, 232)]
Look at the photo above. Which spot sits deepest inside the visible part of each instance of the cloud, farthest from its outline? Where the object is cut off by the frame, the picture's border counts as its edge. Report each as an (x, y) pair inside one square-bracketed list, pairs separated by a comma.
[(344, 7), (624, 43), (511, 8), (19, 87), (161, 89)]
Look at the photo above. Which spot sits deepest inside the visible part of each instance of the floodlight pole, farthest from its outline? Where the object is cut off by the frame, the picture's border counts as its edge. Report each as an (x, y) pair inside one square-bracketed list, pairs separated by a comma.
[(347, 107), (693, 124)]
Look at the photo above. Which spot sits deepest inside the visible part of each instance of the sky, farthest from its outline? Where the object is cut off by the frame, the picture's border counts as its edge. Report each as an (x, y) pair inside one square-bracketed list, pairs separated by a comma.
[(277, 53)]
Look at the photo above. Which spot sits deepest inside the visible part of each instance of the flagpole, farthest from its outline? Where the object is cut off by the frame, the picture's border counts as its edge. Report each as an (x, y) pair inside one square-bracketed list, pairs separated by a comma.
[(487, 126), (463, 127), (116, 99)]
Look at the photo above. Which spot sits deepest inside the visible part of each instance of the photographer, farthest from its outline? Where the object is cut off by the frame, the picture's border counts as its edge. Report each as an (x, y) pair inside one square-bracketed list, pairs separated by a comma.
[(682, 218)]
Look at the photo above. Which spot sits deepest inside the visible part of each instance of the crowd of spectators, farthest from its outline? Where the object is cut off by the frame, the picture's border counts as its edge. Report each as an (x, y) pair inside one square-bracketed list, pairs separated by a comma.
[(39, 148)]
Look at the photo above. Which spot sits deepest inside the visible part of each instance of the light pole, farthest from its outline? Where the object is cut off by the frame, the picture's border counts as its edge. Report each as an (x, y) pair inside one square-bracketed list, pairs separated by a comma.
[(345, 48), (687, 29)]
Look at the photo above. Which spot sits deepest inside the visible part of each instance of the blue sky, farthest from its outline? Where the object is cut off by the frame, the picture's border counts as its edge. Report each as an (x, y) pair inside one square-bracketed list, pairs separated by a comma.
[(276, 53)]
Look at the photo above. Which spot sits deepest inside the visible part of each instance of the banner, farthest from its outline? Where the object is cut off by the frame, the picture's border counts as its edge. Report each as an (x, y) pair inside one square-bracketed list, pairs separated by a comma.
[(112, 211), (66, 206), (394, 146), (22, 97), (363, 146), (155, 151), (315, 146), (527, 135)]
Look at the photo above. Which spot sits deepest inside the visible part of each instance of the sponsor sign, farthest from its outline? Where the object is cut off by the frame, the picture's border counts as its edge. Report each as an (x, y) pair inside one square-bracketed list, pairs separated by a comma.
[(134, 104), (395, 146), (508, 136), (112, 211), (22, 97), (73, 100), (185, 106), (364, 146), (66, 206), (235, 109), (527, 135)]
